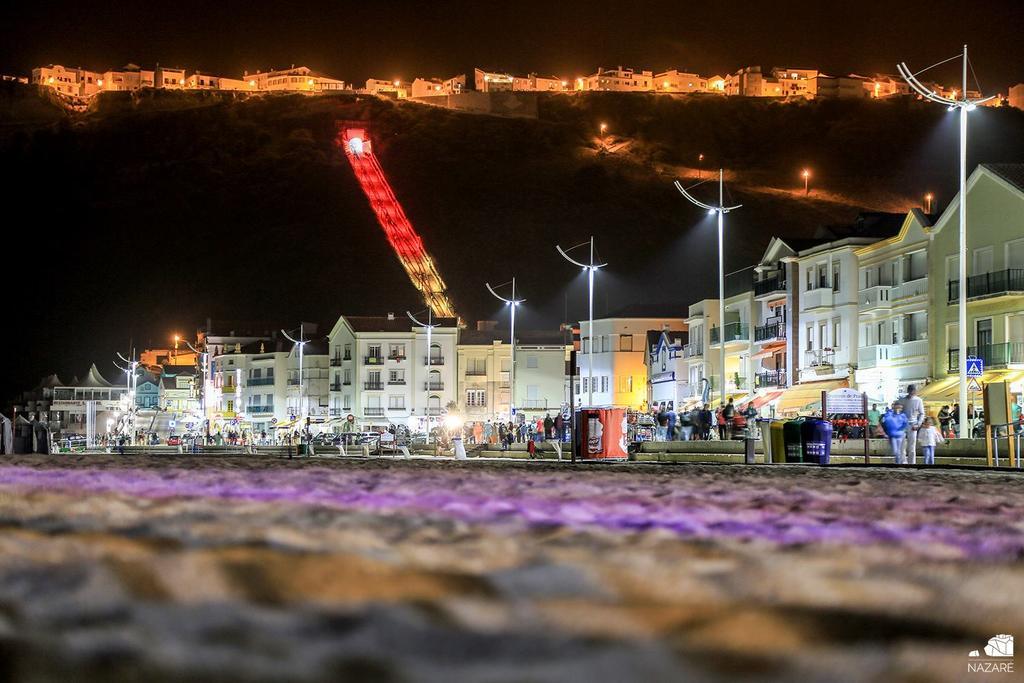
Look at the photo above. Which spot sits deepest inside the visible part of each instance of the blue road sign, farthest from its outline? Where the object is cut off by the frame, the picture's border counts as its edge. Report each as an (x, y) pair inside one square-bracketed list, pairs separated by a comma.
[(975, 367)]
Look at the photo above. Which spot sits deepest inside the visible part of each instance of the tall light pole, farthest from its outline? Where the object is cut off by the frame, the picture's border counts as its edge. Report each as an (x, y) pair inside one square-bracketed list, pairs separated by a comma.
[(203, 374), (700, 165), (131, 383), (964, 105), (512, 304), (721, 210), (301, 343), (590, 268), (429, 327), (807, 181)]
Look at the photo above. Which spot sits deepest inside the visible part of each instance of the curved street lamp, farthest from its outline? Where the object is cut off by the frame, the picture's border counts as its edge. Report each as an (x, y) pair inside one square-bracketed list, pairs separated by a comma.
[(301, 343), (512, 304), (721, 210), (429, 327), (964, 104), (590, 268)]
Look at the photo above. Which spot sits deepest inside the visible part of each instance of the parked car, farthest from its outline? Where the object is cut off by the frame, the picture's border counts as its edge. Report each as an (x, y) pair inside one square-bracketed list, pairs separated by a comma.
[(173, 440)]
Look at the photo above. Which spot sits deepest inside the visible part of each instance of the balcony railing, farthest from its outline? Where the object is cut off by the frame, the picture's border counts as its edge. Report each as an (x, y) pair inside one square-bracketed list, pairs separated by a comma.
[(346, 382), (335, 387), (432, 411), (994, 355), (347, 356), (373, 386), (876, 355), (769, 285), (396, 382), (336, 361), (819, 358), (734, 332), (433, 360), (396, 356), (874, 297), (373, 360), (770, 378), (396, 409), (693, 350), (373, 412), (260, 381), (998, 282), (910, 288), (259, 410), (821, 297), (473, 372), (769, 332), (433, 386)]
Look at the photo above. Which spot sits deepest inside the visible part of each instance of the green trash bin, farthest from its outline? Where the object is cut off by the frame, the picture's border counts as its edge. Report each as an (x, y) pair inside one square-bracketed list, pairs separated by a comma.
[(792, 440)]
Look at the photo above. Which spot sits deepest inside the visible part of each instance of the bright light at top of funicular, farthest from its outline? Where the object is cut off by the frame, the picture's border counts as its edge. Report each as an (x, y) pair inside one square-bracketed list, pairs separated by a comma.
[(355, 145)]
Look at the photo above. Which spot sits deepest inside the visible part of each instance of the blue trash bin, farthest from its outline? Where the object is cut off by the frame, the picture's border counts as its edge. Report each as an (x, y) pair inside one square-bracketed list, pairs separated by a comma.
[(816, 438)]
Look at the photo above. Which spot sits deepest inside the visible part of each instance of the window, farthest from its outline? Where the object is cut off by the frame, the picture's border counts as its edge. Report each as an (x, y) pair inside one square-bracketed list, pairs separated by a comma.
[(269, 400), (346, 402), (604, 382), (396, 376), (396, 402), (476, 366), (531, 361), (396, 351), (836, 336), (585, 346), (476, 398), (625, 342), (270, 373), (810, 337), (822, 335), (373, 350), (584, 381), (347, 376), (835, 277), (822, 276), (810, 278), (256, 373)]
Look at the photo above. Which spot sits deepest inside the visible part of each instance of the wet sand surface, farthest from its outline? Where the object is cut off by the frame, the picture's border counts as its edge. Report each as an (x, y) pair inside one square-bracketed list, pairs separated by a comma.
[(251, 569)]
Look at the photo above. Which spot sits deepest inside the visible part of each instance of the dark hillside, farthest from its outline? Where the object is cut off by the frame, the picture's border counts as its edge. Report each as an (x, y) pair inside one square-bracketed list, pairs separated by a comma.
[(185, 206)]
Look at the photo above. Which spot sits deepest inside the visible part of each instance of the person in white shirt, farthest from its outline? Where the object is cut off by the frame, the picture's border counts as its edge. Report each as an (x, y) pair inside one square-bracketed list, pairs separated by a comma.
[(913, 408), (929, 437)]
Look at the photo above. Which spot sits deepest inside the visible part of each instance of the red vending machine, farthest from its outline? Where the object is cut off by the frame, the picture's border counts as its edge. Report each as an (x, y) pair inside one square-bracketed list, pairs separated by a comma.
[(601, 433)]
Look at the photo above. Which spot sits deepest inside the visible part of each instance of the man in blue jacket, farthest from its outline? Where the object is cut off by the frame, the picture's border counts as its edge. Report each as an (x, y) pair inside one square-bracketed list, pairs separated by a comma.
[(894, 423)]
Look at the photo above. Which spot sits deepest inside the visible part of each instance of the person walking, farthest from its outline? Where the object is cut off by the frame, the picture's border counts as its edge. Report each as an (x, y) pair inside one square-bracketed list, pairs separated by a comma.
[(501, 435), (729, 414), (894, 425), (945, 417), (873, 417), (722, 424), (929, 437), (705, 422), (488, 433), (913, 408), (685, 425), (549, 425)]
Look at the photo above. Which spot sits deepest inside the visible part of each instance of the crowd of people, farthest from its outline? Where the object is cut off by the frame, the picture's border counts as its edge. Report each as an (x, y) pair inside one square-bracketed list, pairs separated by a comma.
[(504, 434), (701, 423)]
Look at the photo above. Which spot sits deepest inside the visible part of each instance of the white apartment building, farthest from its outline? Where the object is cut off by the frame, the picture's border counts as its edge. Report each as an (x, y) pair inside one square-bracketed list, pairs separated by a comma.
[(792, 82), (299, 79), (893, 311), (200, 81), (667, 370), (379, 86), (73, 82), (382, 370), (674, 81), (248, 388), (618, 362), (617, 80), (484, 377), (427, 87), (826, 295)]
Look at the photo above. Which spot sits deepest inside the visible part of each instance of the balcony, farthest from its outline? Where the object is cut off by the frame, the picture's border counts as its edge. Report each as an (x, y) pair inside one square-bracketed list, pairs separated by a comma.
[(434, 412), (877, 355), (734, 332), (227, 389), (819, 358), (335, 387), (396, 382), (259, 410), (336, 412), (770, 378), (910, 289), (998, 283), (397, 409), (261, 381), (336, 361), (994, 355), (373, 412), (397, 357), (879, 296), (433, 360), (771, 286), (770, 332), (822, 297), (433, 386), (693, 350), (373, 386), (347, 356), (373, 360), (346, 382), (474, 372)]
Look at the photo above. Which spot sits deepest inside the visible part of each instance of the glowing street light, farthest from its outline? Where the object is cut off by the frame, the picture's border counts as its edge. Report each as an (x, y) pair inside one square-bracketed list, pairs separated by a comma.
[(806, 175), (928, 202), (964, 105), (589, 268), (429, 327), (301, 343), (700, 165), (604, 128), (720, 210), (512, 302)]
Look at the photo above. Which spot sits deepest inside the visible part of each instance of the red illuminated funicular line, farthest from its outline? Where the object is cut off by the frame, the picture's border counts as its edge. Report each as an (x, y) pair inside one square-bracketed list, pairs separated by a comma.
[(401, 235)]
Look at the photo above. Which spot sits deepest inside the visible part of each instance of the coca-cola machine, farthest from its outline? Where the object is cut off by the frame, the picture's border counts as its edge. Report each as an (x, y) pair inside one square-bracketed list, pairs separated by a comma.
[(601, 433)]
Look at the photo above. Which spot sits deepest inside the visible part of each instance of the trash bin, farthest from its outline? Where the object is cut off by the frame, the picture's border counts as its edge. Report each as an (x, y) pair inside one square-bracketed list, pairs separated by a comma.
[(791, 436), (778, 441), (816, 435)]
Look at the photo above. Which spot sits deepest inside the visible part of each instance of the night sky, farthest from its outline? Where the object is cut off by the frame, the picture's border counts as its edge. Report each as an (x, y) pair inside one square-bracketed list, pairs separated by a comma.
[(282, 214), (355, 40)]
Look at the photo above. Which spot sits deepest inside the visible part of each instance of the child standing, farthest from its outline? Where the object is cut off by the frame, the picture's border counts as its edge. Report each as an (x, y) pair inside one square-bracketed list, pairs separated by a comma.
[(929, 437)]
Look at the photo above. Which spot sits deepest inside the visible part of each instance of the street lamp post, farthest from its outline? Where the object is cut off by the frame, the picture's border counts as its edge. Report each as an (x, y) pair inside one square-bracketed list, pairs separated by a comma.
[(604, 127), (130, 385), (301, 343), (807, 181), (429, 327), (590, 268), (964, 105), (928, 202), (720, 210), (700, 166), (512, 304), (203, 374)]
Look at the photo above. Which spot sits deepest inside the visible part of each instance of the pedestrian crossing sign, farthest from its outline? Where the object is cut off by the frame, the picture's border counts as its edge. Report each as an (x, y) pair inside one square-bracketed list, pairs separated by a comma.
[(973, 385), (975, 367)]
